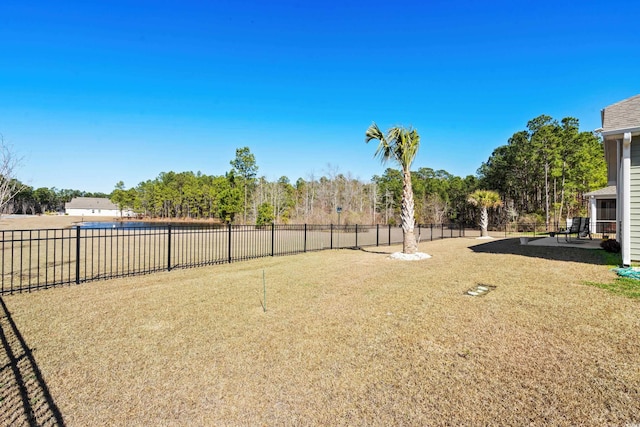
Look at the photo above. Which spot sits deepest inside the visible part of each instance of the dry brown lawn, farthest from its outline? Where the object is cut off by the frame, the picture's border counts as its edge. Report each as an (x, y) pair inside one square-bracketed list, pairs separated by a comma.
[(31, 222), (348, 338)]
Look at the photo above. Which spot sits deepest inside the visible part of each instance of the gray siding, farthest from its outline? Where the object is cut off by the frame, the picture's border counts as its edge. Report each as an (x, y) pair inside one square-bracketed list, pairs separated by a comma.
[(635, 199), (610, 153)]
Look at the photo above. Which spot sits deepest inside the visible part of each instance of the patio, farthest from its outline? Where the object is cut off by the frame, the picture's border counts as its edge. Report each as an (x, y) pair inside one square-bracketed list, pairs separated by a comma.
[(561, 242)]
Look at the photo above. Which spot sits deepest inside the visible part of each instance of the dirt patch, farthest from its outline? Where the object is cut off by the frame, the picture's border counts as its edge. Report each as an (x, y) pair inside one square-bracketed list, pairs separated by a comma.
[(33, 222)]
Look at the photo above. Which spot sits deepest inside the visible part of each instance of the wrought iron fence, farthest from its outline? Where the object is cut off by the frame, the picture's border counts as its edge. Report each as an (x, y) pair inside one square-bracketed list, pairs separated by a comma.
[(539, 230), (37, 259)]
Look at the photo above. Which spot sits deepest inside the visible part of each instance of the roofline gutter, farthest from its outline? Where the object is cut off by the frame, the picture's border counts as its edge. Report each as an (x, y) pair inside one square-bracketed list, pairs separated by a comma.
[(633, 131)]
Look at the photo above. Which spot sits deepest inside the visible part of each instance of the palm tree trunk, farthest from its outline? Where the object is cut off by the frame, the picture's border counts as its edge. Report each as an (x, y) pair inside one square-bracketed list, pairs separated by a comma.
[(484, 222), (409, 244)]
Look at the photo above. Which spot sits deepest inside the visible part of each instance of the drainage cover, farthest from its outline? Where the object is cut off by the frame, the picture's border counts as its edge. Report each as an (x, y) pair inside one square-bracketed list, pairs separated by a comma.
[(480, 290)]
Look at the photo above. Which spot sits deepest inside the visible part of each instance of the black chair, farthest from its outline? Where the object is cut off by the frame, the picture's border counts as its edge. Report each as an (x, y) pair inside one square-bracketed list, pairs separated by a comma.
[(585, 230), (574, 229)]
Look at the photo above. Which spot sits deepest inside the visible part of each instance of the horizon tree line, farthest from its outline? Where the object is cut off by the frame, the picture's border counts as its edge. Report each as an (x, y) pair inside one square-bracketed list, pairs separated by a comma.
[(541, 175), (544, 170)]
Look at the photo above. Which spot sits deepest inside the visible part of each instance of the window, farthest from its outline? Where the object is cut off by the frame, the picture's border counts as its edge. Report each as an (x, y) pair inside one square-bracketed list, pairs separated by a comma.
[(606, 209)]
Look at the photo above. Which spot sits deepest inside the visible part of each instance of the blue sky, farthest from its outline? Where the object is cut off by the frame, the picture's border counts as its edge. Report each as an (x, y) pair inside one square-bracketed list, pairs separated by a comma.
[(92, 93)]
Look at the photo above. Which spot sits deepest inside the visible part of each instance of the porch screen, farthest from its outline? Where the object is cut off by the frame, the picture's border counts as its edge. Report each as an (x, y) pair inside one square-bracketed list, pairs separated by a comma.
[(606, 210)]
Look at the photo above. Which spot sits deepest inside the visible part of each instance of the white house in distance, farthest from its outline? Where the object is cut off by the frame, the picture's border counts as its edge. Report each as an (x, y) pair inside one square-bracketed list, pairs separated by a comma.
[(91, 206), (621, 134)]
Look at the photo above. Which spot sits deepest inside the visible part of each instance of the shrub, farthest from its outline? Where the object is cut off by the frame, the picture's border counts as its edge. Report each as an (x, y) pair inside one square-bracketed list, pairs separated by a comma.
[(265, 214), (610, 245), (530, 221)]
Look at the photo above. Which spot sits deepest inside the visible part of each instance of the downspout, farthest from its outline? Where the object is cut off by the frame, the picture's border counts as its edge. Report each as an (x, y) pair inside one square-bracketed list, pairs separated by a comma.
[(593, 210), (626, 199), (619, 190)]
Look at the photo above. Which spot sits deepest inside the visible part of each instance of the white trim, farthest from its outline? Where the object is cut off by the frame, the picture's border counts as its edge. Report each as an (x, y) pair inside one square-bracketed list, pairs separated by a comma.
[(593, 207), (634, 131), (626, 197), (619, 200), (92, 212)]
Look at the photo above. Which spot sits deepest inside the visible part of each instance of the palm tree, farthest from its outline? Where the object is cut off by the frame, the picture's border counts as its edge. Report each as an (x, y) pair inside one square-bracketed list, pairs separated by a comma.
[(484, 199), (400, 145)]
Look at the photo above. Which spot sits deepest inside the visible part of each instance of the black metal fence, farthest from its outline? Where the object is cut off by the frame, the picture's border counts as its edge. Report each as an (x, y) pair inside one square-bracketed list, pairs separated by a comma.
[(539, 230), (37, 259)]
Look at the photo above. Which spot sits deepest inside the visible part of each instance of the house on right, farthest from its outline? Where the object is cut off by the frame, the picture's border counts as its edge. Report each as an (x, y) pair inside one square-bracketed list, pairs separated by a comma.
[(621, 133)]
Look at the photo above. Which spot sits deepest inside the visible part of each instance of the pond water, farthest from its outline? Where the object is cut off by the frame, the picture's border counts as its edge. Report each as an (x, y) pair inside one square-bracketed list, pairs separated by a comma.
[(141, 224)]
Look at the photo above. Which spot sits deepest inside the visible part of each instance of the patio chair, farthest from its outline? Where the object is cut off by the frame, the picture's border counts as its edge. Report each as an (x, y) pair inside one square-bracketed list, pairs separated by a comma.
[(585, 230), (574, 229)]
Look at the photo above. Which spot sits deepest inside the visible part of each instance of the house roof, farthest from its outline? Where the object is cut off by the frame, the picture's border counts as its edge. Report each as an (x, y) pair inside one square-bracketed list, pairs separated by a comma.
[(90, 203), (603, 193), (622, 115)]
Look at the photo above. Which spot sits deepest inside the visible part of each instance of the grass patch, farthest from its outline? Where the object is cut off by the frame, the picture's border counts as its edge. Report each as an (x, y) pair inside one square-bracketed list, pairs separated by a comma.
[(611, 259), (624, 286)]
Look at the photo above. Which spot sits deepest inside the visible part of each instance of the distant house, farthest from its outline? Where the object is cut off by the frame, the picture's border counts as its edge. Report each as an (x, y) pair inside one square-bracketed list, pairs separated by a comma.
[(621, 133), (91, 206)]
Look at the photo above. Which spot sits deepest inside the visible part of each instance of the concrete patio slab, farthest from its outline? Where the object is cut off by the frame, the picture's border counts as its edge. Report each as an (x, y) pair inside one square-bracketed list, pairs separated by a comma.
[(561, 242)]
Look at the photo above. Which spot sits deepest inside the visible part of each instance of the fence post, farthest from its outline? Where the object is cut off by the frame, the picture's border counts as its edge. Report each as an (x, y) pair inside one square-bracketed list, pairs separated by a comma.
[(305, 238), (331, 232), (389, 234), (356, 235), (169, 247), (273, 237), (229, 244), (77, 254), (377, 234)]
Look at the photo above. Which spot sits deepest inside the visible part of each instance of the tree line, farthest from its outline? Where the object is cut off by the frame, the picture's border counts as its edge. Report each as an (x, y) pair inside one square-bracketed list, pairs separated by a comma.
[(541, 174), (240, 196), (544, 170), (234, 197), (30, 201)]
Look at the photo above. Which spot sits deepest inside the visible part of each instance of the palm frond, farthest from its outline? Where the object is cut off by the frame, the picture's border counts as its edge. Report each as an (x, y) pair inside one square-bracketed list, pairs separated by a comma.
[(485, 199), (384, 150), (373, 132), (399, 144)]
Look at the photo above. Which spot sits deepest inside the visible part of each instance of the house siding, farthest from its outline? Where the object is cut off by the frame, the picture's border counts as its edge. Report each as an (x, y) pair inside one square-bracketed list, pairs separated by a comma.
[(635, 199), (611, 153), (92, 212), (91, 206)]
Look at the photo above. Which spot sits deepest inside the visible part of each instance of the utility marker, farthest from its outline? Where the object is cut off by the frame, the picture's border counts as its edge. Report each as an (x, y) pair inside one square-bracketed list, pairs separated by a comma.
[(264, 290)]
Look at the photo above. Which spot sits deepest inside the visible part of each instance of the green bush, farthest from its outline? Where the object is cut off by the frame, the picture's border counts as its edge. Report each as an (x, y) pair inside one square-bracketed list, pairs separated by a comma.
[(528, 222), (610, 245), (265, 214)]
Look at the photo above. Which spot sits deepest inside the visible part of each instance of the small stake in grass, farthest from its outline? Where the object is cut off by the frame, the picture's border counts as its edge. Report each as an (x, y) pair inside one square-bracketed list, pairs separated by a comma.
[(264, 290)]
